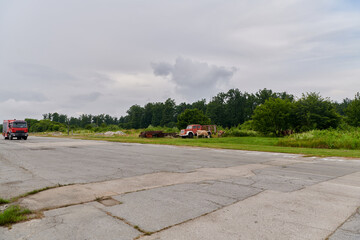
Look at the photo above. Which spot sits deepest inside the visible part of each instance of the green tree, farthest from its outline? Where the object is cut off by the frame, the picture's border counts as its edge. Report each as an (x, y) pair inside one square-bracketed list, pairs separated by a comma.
[(201, 105), (157, 114), (55, 117), (274, 116), (353, 111), (192, 116), (135, 113), (62, 118), (168, 115), (315, 112), (147, 116), (216, 110)]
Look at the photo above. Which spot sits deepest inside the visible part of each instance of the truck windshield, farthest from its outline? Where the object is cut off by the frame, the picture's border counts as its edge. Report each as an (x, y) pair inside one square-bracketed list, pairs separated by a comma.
[(19, 124), (189, 127)]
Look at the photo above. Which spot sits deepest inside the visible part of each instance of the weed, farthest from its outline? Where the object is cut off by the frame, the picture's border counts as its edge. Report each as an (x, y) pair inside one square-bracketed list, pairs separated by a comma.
[(13, 214), (14, 199), (142, 230), (4, 201)]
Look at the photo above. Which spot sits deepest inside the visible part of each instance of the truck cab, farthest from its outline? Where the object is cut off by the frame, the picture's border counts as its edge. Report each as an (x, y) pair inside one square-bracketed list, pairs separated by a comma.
[(191, 130), (15, 128)]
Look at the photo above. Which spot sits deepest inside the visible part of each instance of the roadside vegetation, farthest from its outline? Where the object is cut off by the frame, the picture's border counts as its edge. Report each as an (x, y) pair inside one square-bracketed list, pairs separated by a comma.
[(330, 139), (264, 121)]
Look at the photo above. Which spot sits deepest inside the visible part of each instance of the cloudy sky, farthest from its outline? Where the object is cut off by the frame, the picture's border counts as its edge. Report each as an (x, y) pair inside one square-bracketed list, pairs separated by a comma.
[(102, 56)]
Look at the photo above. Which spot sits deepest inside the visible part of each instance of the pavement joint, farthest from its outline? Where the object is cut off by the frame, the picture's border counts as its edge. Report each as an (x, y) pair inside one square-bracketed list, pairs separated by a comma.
[(141, 231), (357, 211)]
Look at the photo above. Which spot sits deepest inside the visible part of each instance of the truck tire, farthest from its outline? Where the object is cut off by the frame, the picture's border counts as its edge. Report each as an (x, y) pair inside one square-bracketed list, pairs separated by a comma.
[(191, 135), (24, 138), (11, 137)]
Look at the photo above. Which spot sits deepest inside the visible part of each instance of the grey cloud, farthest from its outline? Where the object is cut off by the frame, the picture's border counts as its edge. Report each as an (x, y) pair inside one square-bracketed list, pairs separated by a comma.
[(162, 68), (41, 72), (28, 96), (91, 97), (193, 78)]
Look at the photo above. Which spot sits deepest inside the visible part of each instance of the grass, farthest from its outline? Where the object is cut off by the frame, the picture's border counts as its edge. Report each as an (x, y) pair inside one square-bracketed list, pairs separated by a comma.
[(330, 139), (249, 143), (14, 199), (4, 201), (13, 214)]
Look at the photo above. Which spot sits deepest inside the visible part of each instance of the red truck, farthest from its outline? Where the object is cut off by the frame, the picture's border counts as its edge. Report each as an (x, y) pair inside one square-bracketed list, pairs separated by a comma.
[(15, 128), (191, 130)]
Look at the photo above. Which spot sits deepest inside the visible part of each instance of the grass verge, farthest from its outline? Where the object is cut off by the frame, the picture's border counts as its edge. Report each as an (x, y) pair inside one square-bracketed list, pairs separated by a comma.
[(13, 214), (264, 144)]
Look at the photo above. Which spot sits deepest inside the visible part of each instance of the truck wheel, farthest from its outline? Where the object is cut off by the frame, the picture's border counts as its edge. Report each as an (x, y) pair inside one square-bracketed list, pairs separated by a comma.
[(24, 138), (11, 137), (191, 135)]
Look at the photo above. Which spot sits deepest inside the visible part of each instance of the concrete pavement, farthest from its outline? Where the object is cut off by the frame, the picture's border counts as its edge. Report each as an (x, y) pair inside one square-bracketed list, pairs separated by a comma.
[(129, 191)]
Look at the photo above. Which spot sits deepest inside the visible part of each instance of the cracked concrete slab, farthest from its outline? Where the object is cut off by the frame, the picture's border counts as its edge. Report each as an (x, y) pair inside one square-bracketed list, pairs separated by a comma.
[(310, 213), (75, 194), (156, 209), (72, 223)]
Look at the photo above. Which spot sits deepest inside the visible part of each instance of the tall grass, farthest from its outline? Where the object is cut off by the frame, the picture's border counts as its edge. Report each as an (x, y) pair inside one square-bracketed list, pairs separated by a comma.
[(331, 139)]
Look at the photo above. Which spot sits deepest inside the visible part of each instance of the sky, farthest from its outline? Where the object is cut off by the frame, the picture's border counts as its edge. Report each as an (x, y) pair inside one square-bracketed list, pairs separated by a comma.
[(102, 56)]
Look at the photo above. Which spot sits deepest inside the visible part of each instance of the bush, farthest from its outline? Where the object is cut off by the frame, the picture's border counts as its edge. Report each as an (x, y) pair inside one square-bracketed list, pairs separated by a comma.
[(164, 129), (240, 132)]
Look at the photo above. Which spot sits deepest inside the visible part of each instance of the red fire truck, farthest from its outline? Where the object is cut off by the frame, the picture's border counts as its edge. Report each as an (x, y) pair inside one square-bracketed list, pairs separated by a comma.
[(191, 130), (15, 128)]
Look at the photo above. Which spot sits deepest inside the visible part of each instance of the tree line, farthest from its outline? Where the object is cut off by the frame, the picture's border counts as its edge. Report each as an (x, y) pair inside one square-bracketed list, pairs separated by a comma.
[(226, 109)]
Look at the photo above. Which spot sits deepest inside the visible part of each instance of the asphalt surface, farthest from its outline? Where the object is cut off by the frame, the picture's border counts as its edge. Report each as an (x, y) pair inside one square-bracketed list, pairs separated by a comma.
[(135, 191)]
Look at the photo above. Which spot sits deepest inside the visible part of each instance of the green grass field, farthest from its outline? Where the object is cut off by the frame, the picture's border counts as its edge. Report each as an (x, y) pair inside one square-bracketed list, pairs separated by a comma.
[(266, 144)]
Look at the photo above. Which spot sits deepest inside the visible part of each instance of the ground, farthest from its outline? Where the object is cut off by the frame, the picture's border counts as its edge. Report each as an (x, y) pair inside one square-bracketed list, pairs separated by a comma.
[(136, 191)]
